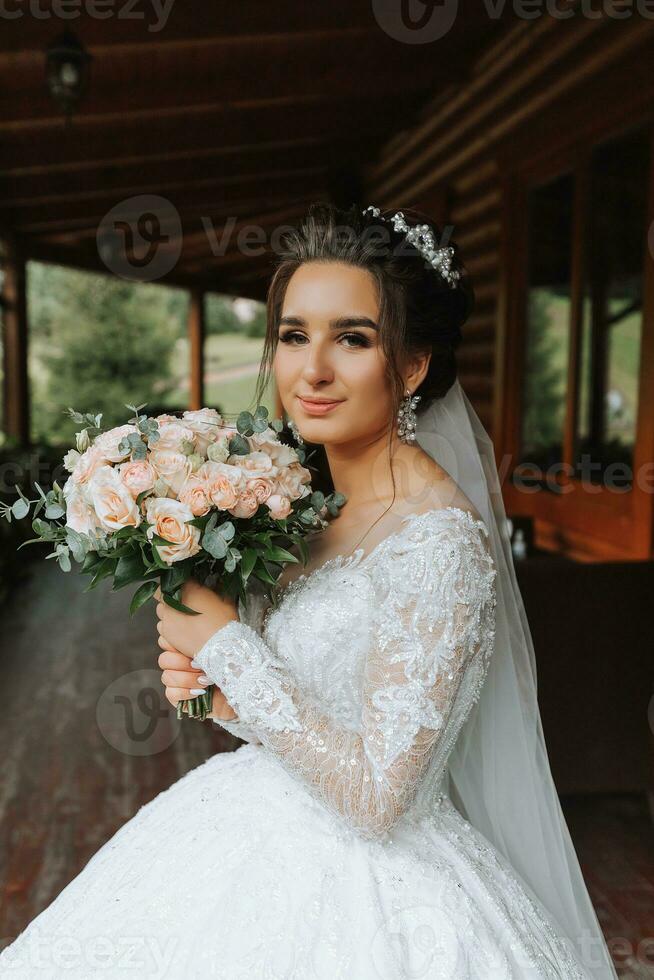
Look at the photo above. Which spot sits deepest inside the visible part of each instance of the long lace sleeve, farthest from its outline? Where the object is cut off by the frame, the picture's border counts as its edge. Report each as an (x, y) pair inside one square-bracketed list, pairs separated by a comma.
[(434, 615)]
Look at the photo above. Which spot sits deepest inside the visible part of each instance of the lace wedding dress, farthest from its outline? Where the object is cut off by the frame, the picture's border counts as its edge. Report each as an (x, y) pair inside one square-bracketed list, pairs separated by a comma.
[(327, 846)]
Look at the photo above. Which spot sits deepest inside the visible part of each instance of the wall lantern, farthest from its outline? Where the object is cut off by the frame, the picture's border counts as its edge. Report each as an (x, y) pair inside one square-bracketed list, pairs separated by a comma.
[(67, 71)]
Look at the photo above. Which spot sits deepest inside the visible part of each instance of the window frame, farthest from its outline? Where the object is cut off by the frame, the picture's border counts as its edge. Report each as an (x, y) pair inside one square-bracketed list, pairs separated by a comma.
[(600, 524)]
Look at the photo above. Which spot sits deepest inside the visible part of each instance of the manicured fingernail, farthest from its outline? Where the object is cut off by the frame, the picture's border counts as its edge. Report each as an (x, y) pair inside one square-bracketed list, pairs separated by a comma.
[(203, 679), (197, 690), (194, 663)]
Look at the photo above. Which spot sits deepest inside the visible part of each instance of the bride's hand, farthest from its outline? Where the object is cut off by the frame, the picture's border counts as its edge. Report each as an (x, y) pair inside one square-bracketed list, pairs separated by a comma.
[(181, 682), (187, 633)]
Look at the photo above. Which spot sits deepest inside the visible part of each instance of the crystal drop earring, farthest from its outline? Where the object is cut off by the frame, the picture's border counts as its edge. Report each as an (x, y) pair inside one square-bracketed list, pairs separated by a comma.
[(296, 435), (406, 417)]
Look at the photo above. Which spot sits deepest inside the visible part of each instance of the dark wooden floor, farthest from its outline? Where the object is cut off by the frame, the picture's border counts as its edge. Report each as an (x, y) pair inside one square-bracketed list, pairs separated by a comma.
[(87, 737)]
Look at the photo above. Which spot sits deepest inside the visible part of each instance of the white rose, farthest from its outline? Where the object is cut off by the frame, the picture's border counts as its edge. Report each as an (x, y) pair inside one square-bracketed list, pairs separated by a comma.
[(71, 459), (107, 442), (279, 506), (218, 451), (171, 466), (168, 519), (112, 501)]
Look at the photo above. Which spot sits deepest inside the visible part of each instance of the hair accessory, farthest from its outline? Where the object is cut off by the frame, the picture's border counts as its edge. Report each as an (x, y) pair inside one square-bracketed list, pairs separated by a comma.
[(422, 238), (406, 417)]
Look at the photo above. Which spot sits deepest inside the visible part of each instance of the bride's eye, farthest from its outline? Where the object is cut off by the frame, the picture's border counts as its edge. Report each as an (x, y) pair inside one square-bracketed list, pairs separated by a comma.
[(354, 339)]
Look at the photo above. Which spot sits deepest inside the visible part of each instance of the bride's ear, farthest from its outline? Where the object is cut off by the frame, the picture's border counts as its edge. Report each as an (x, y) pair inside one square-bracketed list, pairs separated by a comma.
[(416, 370)]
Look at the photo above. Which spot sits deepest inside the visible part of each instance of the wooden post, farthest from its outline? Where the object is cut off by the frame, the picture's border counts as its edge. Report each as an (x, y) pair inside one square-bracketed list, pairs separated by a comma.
[(196, 331), (14, 334)]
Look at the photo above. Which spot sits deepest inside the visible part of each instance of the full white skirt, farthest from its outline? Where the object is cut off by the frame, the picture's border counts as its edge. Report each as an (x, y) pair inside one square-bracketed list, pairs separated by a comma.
[(236, 872)]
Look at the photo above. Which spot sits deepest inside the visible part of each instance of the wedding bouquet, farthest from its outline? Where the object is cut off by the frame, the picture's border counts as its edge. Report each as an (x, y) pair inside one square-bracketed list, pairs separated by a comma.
[(160, 500)]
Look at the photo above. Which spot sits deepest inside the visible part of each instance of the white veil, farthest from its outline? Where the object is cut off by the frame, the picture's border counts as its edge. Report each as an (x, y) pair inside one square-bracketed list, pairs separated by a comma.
[(499, 773)]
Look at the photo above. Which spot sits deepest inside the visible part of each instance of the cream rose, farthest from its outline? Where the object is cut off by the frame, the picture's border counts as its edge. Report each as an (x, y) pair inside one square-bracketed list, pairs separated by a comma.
[(168, 519), (256, 464), (112, 501), (80, 516), (172, 435), (138, 475), (207, 424), (268, 442), (171, 466), (194, 496), (87, 464), (222, 483), (107, 442), (291, 481), (279, 506)]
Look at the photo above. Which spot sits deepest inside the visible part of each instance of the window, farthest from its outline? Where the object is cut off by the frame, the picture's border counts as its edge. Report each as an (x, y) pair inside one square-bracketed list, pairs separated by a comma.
[(586, 236)]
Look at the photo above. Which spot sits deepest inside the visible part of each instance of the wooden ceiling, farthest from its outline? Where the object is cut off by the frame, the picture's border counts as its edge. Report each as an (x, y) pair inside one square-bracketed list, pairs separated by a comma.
[(233, 112)]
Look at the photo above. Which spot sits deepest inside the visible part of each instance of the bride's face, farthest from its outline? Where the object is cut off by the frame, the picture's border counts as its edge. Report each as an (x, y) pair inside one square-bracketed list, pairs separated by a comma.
[(329, 348)]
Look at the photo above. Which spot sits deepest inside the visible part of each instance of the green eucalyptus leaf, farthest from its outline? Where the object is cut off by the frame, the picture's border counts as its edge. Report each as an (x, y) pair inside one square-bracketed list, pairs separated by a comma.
[(238, 446), (20, 509)]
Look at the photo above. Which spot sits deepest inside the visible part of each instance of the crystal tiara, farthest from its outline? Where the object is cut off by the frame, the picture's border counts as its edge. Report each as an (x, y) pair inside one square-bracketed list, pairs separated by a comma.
[(422, 238)]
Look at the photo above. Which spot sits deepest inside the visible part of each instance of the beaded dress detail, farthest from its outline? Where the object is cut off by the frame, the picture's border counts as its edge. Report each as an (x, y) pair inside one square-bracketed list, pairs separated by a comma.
[(327, 846)]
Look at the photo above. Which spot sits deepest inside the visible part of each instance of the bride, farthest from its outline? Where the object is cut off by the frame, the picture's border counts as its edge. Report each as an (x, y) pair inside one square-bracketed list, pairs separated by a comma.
[(392, 813)]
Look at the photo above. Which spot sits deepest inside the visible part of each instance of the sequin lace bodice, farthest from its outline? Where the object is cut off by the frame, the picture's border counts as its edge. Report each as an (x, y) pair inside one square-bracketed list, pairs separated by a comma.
[(361, 677)]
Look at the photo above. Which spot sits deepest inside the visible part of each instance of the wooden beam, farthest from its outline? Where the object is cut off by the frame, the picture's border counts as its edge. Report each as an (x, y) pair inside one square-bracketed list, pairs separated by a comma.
[(196, 332), (14, 333), (174, 134), (312, 67), (137, 26)]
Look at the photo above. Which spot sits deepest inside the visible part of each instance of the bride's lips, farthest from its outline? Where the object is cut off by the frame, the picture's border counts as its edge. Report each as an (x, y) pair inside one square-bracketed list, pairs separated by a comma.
[(317, 408)]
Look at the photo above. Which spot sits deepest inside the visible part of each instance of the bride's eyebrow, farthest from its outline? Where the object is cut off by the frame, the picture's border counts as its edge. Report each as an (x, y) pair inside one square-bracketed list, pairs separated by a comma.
[(337, 324)]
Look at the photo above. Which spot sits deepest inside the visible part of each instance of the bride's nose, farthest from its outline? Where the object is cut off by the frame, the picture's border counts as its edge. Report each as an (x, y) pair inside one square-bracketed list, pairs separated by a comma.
[(317, 366)]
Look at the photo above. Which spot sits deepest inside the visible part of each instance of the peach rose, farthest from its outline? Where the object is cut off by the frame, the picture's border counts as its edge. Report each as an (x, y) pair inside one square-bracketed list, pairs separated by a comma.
[(86, 466), (279, 506), (194, 496), (168, 520), (112, 501), (171, 466), (246, 505), (107, 442), (260, 488), (137, 475), (222, 483)]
